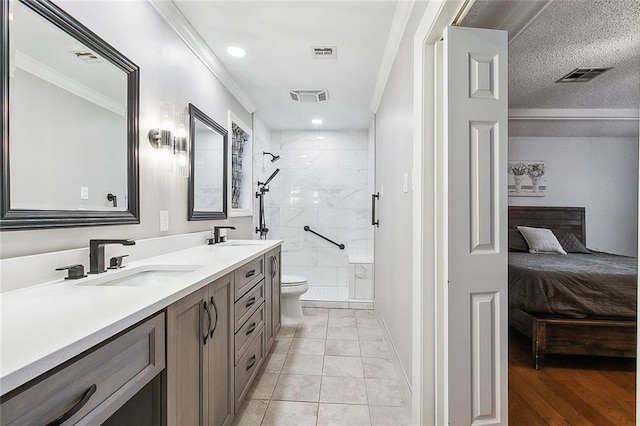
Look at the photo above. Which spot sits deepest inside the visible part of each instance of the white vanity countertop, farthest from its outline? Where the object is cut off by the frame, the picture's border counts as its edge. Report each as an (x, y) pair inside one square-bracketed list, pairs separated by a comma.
[(44, 325)]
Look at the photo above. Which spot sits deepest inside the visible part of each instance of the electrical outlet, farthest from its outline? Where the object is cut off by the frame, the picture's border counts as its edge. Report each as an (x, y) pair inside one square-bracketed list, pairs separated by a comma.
[(405, 182), (84, 193), (164, 220)]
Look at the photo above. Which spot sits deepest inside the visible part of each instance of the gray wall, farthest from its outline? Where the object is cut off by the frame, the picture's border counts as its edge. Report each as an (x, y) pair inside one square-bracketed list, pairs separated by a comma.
[(600, 174), (37, 132), (394, 157), (168, 72)]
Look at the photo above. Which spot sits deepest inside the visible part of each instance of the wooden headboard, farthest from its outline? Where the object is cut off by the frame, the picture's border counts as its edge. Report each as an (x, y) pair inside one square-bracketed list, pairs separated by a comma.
[(563, 219)]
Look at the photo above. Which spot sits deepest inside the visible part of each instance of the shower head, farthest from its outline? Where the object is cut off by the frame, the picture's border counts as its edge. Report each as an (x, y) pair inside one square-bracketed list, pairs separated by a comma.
[(271, 177), (274, 158)]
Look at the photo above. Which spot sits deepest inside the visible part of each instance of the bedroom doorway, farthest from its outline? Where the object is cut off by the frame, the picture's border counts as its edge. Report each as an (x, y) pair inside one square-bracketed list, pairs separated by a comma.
[(587, 139)]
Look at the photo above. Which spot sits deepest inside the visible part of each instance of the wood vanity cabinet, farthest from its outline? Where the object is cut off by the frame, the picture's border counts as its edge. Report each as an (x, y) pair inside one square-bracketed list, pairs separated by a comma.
[(200, 356), (97, 384), (208, 378), (272, 298)]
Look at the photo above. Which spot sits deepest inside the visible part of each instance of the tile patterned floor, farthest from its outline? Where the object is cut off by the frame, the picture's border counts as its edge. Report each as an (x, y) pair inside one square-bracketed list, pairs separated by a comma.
[(335, 369)]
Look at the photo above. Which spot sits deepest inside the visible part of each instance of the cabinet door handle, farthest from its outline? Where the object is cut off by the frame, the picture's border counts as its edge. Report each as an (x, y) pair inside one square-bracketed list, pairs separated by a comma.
[(250, 273), (215, 310), (274, 267), (206, 333), (251, 328), (66, 416), (251, 363), (277, 265), (250, 302)]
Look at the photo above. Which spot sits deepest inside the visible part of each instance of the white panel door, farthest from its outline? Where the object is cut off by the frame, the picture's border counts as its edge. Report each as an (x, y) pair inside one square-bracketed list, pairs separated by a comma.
[(475, 136)]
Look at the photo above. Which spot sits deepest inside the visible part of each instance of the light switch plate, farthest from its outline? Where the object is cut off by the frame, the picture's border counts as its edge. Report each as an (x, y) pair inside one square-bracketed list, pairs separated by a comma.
[(164, 220), (84, 192), (405, 182), (381, 191)]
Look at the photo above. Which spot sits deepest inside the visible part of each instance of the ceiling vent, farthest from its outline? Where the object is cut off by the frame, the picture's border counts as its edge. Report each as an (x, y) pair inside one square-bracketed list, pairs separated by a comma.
[(87, 56), (582, 75), (324, 52), (309, 96)]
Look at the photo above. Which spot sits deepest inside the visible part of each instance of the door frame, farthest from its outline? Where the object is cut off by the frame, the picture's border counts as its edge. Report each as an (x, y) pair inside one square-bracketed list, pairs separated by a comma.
[(429, 323)]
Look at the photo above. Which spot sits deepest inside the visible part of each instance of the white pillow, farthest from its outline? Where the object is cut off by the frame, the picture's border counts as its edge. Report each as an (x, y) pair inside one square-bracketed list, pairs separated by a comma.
[(541, 240)]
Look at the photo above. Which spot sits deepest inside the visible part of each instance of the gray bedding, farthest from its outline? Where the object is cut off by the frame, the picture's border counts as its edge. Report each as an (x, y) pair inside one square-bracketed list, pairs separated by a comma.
[(574, 285)]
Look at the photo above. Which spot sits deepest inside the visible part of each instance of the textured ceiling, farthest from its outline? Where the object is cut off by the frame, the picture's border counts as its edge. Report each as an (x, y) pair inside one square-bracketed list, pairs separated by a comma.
[(569, 34), (278, 36)]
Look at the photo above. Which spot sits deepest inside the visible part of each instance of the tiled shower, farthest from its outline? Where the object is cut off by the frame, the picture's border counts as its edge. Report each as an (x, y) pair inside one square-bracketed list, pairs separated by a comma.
[(325, 182)]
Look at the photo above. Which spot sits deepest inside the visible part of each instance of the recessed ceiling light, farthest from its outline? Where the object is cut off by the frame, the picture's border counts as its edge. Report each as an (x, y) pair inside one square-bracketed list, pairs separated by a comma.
[(236, 51), (319, 137), (316, 121)]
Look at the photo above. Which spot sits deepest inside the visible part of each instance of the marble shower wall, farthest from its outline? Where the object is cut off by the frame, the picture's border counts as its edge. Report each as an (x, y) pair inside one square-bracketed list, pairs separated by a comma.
[(325, 182)]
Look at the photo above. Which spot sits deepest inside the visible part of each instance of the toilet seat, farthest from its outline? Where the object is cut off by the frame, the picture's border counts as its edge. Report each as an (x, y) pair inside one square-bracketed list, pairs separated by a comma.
[(292, 280)]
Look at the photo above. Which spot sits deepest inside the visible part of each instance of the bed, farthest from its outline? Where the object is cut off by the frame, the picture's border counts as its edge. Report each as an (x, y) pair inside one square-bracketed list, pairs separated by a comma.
[(576, 304)]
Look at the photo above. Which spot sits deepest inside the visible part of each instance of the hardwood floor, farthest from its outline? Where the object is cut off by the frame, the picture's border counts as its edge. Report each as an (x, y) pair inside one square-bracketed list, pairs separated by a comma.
[(569, 390)]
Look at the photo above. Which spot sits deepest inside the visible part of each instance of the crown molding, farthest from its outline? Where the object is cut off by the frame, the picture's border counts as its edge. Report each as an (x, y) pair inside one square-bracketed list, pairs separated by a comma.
[(176, 20), (573, 114), (398, 27), (71, 85)]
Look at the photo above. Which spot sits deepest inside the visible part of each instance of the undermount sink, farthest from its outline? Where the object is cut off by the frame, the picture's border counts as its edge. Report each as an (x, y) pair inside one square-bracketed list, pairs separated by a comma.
[(142, 276), (242, 243)]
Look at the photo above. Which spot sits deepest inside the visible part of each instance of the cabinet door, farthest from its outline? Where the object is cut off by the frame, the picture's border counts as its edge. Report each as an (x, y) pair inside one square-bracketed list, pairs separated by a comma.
[(275, 291), (220, 348), (187, 358), (268, 273)]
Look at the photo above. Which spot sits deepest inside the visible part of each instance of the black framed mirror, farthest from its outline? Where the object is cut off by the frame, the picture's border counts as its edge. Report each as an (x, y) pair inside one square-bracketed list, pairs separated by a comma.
[(208, 167), (69, 123)]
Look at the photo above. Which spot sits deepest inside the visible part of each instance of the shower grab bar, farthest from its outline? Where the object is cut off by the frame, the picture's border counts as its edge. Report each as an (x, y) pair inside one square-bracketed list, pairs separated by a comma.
[(306, 228)]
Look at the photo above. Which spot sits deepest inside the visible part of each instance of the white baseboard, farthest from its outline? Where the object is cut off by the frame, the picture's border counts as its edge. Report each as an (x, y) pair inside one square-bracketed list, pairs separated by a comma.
[(406, 383)]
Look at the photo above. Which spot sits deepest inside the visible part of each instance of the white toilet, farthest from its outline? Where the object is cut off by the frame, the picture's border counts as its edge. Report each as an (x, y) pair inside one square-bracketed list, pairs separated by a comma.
[(292, 287)]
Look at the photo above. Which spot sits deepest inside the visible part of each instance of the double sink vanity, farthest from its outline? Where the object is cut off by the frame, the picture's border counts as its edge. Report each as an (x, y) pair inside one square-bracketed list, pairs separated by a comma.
[(173, 339)]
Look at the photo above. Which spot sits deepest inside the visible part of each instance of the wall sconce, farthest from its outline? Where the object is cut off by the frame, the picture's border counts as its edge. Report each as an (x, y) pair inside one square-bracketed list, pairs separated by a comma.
[(161, 138), (170, 139), (181, 144)]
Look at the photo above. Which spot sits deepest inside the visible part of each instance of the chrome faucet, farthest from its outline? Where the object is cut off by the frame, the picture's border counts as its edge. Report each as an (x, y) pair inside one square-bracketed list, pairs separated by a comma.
[(96, 253), (216, 234)]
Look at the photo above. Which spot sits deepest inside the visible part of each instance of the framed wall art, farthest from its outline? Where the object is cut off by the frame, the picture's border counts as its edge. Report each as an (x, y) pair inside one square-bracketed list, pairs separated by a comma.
[(527, 178)]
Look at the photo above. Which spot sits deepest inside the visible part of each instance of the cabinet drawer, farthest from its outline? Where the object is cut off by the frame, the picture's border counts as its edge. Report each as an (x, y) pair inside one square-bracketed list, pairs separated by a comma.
[(247, 275), (248, 366), (248, 304), (247, 331), (96, 383)]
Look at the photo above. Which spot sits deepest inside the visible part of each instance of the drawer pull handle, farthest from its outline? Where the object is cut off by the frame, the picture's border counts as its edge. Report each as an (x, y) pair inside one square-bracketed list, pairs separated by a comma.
[(215, 309), (66, 416), (206, 333), (251, 328), (252, 362), (250, 273), (250, 302)]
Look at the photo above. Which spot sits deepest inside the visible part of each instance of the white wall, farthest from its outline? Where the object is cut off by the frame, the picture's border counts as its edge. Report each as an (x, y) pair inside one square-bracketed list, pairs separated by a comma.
[(394, 158), (323, 183), (600, 174), (168, 72)]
